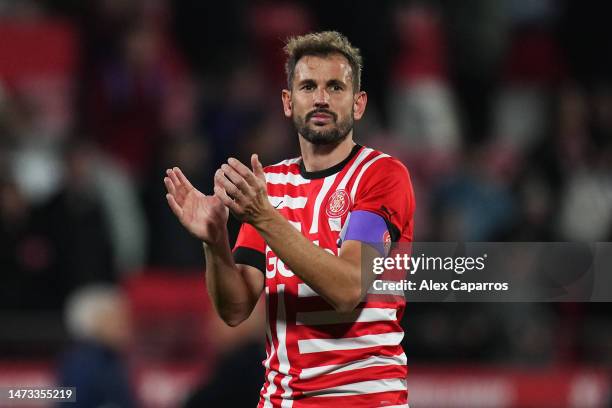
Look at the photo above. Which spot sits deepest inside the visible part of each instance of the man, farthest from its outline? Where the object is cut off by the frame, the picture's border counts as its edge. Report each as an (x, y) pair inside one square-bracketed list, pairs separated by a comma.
[(98, 321), (305, 222)]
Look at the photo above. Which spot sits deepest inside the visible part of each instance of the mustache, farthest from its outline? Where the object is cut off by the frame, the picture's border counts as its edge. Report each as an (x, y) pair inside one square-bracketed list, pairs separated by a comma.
[(314, 112)]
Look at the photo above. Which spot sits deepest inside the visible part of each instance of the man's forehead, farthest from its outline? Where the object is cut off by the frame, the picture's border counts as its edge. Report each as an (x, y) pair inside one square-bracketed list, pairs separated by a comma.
[(333, 66)]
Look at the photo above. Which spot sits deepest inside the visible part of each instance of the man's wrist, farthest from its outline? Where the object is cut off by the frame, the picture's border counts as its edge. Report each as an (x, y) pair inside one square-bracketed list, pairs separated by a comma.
[(218, 244), (267, 217)]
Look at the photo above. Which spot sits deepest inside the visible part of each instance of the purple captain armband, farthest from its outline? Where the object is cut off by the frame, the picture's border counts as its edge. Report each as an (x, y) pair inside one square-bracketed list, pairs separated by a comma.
[(367, 227)]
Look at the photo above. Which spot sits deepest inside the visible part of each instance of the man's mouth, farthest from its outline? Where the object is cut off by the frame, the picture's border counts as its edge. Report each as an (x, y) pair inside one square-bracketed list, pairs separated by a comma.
[(321, 117)]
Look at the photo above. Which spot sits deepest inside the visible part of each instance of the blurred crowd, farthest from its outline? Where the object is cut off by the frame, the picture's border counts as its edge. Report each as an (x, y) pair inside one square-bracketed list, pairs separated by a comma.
[(501, 110)]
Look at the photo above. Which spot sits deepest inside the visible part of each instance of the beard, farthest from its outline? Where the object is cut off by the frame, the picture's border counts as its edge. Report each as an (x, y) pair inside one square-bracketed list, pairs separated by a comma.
[(324, 137)]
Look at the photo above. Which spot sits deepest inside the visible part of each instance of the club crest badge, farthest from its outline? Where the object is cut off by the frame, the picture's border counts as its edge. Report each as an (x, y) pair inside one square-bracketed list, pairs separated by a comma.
[(386, 241), (338, 204)]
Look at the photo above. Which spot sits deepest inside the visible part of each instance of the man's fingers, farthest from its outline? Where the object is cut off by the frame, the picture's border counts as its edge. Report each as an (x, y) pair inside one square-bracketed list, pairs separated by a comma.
[(241, 169), (236, 178), (182, 178), (169, 186), (173, 177), (257, 167), (221, 194), (176, 209), (227, 185)]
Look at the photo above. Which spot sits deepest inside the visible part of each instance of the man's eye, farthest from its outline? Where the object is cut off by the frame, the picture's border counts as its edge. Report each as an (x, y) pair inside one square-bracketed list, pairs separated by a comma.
[(336, 88), (307, 87)]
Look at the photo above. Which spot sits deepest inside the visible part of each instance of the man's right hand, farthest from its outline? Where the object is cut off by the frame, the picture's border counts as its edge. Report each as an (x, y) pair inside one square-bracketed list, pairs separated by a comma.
[(203, 216)]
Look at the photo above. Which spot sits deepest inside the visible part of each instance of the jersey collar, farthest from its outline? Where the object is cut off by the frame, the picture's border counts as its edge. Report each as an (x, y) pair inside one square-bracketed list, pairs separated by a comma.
[(309, 175)]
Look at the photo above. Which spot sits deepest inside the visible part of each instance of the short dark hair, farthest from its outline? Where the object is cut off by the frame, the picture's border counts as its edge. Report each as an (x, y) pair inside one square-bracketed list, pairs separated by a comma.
[(322, 44)]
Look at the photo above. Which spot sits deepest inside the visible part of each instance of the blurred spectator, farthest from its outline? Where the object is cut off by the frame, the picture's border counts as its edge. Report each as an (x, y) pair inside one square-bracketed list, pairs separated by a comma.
[(531, 72), (125, 106), (475, 204), (130, 77), (423, 113), (108, 195), (477, 34), (272, 23), (33, 152), (227, 119), (240, 352), (97, 319), (358, 20), (18, 244), (586, 207), (36, 109), (522, 109), (269, 137), (536, 206), (122, 209), (76, 229), (586, 147)]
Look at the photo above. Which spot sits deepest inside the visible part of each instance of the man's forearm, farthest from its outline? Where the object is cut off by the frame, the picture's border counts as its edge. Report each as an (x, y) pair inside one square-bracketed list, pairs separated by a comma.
[(226, 285), (335, 279)]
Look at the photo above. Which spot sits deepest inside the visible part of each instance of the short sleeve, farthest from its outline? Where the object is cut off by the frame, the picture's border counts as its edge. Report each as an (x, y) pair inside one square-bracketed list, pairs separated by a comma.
[(250, 248), (386, 189)]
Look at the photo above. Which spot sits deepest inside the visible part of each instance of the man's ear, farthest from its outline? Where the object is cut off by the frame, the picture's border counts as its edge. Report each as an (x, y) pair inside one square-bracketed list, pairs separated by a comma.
[(287, 104), (359, 104)]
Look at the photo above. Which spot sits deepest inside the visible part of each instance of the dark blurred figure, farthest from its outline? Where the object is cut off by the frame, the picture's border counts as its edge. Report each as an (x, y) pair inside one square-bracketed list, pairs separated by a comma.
[(52, 248), (474, 204), (22, 252), (423, 115), (96, 316), (124, 104), (129, 70), (76, 229), (358, 20), (273, 22), (586, 34), (236, 379), (169, 244), (585, 124), (200, 26)]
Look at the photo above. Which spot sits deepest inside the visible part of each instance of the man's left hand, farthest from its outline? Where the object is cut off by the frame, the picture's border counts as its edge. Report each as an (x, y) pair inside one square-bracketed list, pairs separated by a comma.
[(243, 190)]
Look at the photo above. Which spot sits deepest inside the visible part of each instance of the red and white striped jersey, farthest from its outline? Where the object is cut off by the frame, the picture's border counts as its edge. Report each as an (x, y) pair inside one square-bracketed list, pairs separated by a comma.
[(316, 356)]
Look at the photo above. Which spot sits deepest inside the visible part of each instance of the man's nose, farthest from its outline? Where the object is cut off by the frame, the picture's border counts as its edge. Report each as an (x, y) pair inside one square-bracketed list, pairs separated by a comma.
[(321, 97)]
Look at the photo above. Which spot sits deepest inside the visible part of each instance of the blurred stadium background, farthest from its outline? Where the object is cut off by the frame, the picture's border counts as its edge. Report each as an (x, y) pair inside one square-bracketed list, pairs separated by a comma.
[(502, 111)]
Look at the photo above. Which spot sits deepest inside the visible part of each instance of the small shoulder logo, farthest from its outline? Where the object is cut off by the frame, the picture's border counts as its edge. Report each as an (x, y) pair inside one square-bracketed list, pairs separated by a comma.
[(390, 213), (338, 204)]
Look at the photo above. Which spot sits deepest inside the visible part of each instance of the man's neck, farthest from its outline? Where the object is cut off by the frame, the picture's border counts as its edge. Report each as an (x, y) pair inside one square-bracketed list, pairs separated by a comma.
[(321, 157)]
